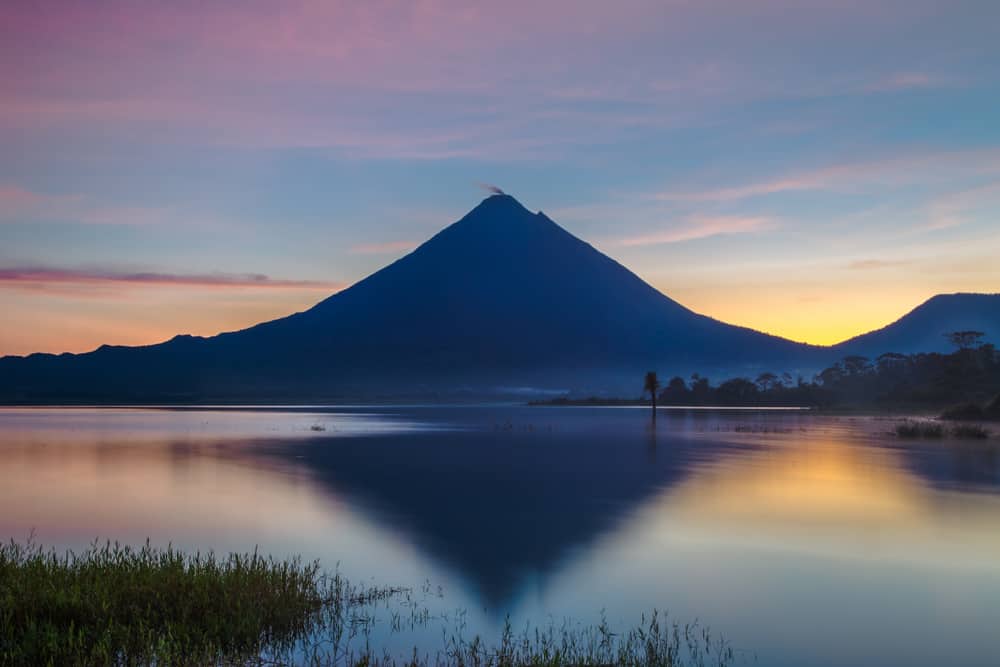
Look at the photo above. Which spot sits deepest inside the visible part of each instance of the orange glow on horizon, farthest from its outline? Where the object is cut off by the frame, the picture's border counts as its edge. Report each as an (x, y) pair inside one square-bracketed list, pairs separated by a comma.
[(63, 319), (62, 322), (806, 314)]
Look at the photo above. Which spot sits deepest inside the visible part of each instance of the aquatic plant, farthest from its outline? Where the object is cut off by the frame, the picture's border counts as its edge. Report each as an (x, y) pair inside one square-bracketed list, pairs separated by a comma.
[(919, 429), (929, 429), (115, 605), (974, 431)]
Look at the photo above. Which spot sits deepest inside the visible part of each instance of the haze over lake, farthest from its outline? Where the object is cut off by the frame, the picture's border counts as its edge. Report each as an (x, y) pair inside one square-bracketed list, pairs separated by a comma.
[(804, 540)]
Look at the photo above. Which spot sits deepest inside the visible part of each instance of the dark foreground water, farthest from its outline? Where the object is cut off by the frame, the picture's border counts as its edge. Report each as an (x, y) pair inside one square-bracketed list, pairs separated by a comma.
[(803, 540)]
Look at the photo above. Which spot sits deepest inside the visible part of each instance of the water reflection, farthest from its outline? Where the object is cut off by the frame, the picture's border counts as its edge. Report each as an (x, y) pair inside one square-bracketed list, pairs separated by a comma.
[(500, 501), (810, 540)]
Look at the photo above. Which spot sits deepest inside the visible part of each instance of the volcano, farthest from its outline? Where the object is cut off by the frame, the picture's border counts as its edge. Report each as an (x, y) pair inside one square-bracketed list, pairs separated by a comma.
[(926, 327), (504, 300)]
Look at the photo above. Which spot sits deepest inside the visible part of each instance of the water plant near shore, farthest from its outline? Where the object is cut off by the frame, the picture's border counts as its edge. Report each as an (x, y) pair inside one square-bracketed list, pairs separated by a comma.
[(113, 604), (930, 429), (117, 605), (919, 429), (973, 431)]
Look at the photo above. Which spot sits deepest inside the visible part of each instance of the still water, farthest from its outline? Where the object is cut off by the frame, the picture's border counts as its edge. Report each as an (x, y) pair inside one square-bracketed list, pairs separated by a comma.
[(803, 540)]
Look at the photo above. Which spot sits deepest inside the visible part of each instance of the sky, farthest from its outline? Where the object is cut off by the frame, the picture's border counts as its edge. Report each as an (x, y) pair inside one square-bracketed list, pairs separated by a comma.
[(812, 169)]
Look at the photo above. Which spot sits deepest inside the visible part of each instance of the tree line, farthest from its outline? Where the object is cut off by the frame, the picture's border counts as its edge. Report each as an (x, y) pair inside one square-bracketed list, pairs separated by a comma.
[(968, 375)]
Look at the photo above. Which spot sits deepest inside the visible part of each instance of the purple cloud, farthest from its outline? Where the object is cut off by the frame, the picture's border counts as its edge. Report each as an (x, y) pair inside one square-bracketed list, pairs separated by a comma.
[(37, 275)]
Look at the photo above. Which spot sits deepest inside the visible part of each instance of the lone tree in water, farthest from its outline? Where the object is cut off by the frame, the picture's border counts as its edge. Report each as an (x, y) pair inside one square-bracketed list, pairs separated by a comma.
[(652, 385)]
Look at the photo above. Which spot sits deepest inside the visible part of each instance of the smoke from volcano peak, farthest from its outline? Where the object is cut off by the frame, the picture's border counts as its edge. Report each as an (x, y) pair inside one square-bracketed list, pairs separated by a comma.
[(489, 187)]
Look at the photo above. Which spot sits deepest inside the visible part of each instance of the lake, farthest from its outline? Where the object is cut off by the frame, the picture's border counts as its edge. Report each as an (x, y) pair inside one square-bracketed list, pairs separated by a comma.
[(802, 539)]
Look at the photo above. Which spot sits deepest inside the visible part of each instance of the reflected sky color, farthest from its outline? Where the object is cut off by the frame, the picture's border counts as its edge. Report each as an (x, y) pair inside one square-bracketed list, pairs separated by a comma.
[(821, 541), (811, 169)]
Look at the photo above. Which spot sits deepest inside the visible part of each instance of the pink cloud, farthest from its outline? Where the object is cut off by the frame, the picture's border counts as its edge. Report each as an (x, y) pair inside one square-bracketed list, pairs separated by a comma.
[(805, 182), (28, 277), (350, 74), (905, 81), (15, 200), (895, 171), (20, 205), (126, 53), (957, 208), (701, 227)]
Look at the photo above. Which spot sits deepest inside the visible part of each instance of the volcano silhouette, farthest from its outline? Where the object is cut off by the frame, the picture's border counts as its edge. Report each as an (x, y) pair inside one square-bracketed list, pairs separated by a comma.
[(503, 298)]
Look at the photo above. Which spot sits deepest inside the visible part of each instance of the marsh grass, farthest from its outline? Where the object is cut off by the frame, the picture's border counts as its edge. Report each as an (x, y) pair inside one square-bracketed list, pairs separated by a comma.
[(655, 641), (971, 431), (912, 429), (757, 428), (115, 605), (919, 429)]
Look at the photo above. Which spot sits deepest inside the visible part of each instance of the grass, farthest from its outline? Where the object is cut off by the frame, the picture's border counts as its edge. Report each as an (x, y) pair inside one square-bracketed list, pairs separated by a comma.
[(115, 605), (757, 428), (973, 431), (919, 429), (912, 429), (655, 641)]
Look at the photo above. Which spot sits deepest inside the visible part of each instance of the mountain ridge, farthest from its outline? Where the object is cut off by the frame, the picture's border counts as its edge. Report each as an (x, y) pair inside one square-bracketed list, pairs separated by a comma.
[(502, 297), (923, 328)]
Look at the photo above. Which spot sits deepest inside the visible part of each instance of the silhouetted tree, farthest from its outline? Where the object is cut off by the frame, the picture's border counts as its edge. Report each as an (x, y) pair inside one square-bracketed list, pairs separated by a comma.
[(890, 361), (767, 381), (964, 340), (652, 385), (965, 381), (676, 392), (701, 390), (737, 391), (830, 376), (854, 365)]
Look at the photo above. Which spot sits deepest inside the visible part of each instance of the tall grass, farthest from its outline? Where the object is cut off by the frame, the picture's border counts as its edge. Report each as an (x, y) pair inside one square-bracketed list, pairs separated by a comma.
[(919, 429), (115, 605), (655, 642), (972, 431), (929, 429)]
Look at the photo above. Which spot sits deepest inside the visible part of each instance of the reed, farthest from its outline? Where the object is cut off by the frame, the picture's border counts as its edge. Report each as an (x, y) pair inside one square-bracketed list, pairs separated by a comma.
[(919, 429), (928, 429), (116, 605), (970, 431), (113, 604)]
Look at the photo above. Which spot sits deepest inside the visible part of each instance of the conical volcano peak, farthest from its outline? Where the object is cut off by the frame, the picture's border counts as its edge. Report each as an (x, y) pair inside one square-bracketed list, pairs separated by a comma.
[(502, 298), (497, 216), (499, 204)]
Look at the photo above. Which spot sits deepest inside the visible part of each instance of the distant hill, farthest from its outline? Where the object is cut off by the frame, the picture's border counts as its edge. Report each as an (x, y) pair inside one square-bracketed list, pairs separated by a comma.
[(504, 300), (923, 329)]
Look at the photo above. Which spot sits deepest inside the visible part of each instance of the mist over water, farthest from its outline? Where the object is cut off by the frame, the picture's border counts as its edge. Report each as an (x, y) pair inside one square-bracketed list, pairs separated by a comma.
[(803, 540)]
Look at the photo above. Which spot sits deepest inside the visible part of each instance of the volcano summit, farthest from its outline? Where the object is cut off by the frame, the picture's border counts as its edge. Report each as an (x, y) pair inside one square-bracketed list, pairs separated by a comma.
[(504, 298)]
